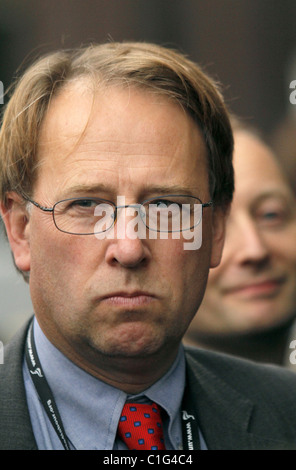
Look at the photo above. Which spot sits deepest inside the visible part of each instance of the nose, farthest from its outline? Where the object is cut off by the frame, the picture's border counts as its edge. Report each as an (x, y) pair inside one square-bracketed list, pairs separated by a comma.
[(127, 253), (128, 247), (247, 243)]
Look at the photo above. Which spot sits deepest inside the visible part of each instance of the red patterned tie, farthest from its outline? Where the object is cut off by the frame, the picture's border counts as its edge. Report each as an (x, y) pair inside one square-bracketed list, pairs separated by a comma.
[(140, 427)]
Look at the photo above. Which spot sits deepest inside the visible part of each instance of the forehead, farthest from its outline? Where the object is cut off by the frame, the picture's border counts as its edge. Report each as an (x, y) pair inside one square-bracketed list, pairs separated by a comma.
[(256, 169), (118, 131)]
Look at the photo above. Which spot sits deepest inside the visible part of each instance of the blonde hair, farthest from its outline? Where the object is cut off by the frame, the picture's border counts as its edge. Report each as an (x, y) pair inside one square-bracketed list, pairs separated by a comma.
[(152, 67)]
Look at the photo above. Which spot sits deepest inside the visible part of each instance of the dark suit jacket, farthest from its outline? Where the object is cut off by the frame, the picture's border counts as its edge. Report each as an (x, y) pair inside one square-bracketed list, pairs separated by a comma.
[(239, 404)]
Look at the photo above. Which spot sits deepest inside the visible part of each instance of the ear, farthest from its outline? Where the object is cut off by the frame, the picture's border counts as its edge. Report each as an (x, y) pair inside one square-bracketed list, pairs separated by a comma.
[(219, 217), (16, 219)]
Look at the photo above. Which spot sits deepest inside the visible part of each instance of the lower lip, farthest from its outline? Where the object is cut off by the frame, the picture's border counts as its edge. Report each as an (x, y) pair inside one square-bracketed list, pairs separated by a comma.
[(125, 301), (259, 290)]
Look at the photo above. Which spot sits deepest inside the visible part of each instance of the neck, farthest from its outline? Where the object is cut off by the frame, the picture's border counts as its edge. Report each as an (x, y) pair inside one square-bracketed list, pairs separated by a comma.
[(268, 345), (132, 374)]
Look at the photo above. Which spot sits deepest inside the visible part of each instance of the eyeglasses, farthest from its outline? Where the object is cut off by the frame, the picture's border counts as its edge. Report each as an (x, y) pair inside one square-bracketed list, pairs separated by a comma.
[(91, 215)]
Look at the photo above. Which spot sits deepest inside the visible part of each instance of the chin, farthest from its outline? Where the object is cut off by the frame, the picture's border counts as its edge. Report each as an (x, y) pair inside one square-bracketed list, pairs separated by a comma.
[(129, 342), (261, 320)]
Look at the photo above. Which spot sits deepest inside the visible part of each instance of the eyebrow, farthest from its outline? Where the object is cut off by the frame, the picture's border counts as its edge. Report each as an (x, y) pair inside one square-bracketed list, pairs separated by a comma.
[(88, 188), (276, 193), (171, 189), (283, 196), (147, 190)]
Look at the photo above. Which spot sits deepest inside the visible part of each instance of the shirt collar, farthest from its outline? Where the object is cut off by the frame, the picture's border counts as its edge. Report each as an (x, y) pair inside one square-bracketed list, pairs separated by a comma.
[(90, 409)]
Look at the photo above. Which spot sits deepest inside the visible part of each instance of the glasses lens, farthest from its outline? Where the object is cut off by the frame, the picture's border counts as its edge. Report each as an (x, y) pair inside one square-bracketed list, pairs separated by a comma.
[(172, 213), (83, 216)]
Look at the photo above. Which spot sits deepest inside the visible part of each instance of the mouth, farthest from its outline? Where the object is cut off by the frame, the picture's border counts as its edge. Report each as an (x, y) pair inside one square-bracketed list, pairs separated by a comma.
[(261, 289), (129, 299)]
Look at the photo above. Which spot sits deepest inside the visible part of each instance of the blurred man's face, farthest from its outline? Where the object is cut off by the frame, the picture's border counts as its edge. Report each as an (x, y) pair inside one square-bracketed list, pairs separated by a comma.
[(118, 297), (255, 285)]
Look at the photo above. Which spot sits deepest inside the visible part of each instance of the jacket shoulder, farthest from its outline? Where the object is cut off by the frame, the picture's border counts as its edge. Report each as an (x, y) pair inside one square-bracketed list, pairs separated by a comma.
[(15, 431), (241, 404), (250, 378)]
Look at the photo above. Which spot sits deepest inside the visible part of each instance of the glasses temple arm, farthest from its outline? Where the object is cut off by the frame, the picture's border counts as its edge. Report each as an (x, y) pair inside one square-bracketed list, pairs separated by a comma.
[(207, 204), (46, 209)]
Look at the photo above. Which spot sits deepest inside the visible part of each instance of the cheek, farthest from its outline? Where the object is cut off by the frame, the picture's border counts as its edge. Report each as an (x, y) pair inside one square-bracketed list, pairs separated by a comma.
[(176, 261), (188, 271), (58, 259), (281, 246)]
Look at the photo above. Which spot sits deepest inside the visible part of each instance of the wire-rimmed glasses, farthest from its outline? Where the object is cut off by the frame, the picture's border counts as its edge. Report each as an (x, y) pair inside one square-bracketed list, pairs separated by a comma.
[(93, 215)]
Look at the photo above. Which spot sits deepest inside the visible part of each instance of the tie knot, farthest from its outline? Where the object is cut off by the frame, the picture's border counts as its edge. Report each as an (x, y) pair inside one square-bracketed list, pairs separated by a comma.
[(140, 426)]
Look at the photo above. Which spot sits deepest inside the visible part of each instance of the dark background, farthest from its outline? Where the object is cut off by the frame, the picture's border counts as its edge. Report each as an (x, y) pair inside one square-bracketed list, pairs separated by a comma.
[(246, 44)]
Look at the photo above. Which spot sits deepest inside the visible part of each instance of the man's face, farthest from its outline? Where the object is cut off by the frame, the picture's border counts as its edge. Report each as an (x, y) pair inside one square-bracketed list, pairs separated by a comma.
[(255, 285), (119, 297)]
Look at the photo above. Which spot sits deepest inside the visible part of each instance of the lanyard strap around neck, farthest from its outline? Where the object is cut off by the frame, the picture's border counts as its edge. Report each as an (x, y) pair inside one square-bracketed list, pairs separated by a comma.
[(190, 431), (43, 389)]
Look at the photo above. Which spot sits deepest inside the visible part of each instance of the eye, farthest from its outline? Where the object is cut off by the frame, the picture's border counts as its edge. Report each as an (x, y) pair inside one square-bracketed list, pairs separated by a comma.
[(170, 207), (165, 203), (273, 214), (78, 207), (83, 203)]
